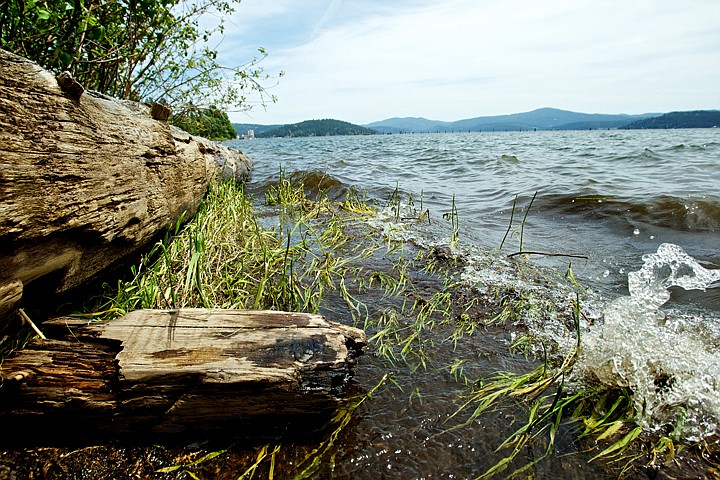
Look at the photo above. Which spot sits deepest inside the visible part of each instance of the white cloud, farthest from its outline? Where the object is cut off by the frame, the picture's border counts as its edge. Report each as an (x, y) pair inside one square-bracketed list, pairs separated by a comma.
[(364, 61)]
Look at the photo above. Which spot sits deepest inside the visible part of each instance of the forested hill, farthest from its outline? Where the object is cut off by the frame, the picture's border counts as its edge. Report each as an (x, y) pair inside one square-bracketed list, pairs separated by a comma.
[(317, 128), (693, 119)]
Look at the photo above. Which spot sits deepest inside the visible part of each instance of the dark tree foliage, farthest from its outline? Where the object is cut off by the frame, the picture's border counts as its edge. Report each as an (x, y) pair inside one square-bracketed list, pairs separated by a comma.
[(692, 119), (318, 128), (211, 123), (141, 50)]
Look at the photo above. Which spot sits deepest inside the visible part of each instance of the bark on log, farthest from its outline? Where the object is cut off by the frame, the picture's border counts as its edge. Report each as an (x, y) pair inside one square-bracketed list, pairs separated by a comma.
[(88, 181), (182, 371)]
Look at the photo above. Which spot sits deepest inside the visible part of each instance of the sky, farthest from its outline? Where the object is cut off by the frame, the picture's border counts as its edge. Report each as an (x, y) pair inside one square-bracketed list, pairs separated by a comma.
[(367, 60)]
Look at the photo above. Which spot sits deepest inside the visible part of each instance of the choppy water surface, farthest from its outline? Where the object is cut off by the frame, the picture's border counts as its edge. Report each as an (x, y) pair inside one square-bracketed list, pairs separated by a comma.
[(611, 195), (628, 201)]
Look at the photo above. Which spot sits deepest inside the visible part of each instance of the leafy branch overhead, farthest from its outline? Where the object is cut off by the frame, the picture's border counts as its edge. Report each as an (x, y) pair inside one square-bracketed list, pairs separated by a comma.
[(139, 50)]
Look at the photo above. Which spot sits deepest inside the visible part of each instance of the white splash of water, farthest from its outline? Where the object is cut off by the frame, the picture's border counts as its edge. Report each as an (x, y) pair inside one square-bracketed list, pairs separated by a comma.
[(669, 360), (672, 369), (394, 223), (406, 223)]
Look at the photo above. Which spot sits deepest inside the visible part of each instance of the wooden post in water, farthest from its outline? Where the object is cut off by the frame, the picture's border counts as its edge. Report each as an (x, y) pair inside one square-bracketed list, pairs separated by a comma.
[(181, 371)]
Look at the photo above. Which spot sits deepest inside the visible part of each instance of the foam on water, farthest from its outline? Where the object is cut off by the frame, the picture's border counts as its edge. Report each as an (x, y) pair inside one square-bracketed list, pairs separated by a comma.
[(593, 199), (668, 360)]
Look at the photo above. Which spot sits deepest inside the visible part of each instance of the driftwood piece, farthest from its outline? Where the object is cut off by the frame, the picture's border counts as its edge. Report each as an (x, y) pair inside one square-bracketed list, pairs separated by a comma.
[(175, 371), (87, 182), (159, 112), (70, 86)]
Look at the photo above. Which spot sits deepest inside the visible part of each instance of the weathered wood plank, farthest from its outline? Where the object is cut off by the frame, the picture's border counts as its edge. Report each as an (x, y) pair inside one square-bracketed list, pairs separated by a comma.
[(183, 370), (226, 346)]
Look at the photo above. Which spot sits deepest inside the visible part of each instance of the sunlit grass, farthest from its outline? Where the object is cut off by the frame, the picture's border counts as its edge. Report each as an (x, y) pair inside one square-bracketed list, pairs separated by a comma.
[(226, 258)]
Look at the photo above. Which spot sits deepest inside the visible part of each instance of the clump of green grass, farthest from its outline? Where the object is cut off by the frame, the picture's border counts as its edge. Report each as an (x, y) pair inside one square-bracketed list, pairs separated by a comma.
[(604, 418), (521, 233), (403, 330), (225, 258), (545, 411), (454, 219)]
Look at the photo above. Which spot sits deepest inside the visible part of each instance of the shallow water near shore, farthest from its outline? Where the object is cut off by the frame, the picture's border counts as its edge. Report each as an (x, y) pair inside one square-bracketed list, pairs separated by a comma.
[(637, 209), (609, 197)]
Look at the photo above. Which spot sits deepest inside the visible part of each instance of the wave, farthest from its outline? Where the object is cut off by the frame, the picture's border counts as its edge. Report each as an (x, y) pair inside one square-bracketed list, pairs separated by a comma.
[(684, 214), (315, 183), (651, 351)]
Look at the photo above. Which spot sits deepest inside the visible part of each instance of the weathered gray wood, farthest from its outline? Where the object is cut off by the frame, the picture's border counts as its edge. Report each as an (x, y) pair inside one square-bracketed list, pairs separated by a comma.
[(187, 370), (87, 181), (10, 295), (226, 346)]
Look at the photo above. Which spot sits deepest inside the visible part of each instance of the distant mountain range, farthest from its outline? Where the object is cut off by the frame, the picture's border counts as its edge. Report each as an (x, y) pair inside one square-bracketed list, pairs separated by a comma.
[(540, 119)]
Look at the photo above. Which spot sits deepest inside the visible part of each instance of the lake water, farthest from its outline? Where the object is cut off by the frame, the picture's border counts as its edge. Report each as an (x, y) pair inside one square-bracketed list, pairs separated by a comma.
[(609, 195), (619, 201)]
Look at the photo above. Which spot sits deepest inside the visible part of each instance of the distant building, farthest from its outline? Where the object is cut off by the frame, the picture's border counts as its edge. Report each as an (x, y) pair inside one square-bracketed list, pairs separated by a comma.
[(248, 136)]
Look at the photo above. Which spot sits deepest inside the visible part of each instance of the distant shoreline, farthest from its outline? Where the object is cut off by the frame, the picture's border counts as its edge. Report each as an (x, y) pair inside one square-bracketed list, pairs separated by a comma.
[(544, 119)]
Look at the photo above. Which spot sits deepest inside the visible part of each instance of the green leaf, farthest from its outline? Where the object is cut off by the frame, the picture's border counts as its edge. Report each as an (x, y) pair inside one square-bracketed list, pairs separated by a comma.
[(611, 430), (209, 456), (191, 271), (65, 59), (169, 469), (43, 14), (97, 33), (619, 446)]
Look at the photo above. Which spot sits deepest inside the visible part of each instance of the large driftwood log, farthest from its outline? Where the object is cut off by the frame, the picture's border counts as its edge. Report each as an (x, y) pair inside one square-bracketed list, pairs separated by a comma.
[(173, 371), (86, 180)]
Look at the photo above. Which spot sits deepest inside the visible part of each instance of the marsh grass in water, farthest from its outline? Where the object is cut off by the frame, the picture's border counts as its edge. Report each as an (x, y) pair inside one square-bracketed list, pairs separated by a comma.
[(225, 258), (603, 419), (411, 302), (549, 406)]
